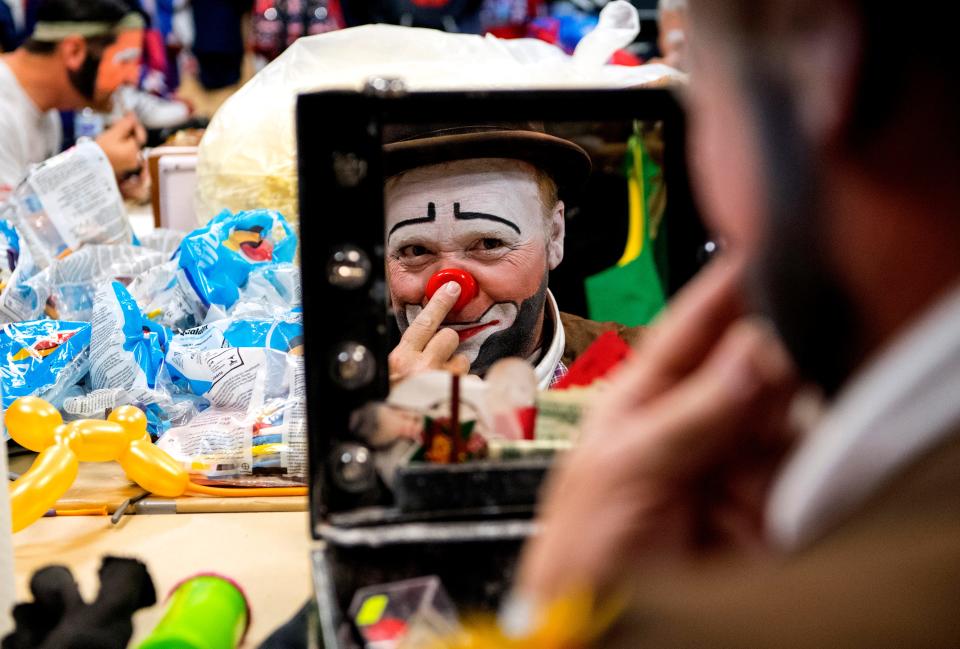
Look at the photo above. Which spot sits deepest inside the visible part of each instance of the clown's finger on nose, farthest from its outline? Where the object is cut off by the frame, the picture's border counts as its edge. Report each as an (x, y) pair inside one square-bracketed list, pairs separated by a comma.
[(424, 327)]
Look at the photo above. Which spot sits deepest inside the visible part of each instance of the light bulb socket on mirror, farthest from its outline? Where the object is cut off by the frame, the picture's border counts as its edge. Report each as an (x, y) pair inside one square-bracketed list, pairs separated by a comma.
[(349, 267), (352, 467), (349, 168), (385, 87), (353, 365)]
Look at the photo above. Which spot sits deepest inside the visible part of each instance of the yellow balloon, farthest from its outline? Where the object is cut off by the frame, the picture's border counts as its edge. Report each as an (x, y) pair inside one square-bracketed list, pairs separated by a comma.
[(153, 469), (37, 425), (132, 419), (48, 478), (32, 423), (95, 440)]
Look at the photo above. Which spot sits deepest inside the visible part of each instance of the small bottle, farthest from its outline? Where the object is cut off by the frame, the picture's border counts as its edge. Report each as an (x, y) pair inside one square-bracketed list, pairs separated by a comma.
[(87, 123), (203, 612)]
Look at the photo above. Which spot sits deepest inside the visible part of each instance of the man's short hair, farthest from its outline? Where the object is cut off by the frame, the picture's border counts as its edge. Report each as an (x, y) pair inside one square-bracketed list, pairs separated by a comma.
[(76, 11), (549, 193)]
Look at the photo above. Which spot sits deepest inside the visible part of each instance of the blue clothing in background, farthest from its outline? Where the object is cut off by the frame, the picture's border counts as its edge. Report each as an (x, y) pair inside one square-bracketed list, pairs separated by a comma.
[(218, 43), (8, 29)]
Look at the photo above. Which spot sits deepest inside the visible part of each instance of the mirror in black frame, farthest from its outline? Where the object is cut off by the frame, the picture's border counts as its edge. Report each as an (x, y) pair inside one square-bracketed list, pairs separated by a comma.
[(557, 219)]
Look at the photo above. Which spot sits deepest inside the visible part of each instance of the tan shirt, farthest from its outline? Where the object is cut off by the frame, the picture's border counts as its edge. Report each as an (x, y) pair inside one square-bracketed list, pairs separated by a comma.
[(866, 516), (904, 402)]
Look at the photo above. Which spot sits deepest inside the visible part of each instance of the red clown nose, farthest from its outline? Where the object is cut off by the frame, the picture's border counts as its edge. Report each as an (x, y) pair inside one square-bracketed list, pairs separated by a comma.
[(468, 285)]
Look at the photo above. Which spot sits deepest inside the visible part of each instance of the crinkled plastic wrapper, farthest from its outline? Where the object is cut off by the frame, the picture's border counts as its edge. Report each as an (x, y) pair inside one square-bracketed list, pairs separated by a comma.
[(248, 153), (42, 358), (203, 333), (69, 201), (218, 257), (128, 365), (9, 251), (250, 371)]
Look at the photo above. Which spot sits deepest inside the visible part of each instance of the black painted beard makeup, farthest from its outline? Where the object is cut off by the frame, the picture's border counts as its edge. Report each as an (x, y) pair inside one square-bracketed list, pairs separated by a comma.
[(518, 340)]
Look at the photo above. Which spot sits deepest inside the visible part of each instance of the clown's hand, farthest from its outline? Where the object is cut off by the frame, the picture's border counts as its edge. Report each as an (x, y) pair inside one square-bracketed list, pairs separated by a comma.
[(422, 347)]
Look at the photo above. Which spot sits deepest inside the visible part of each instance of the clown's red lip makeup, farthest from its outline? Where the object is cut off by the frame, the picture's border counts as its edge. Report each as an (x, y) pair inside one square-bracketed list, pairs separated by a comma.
[(470, 331)]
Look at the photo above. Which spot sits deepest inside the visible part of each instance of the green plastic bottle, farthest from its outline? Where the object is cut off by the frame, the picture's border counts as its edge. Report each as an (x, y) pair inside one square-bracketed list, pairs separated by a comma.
[(204, 612)]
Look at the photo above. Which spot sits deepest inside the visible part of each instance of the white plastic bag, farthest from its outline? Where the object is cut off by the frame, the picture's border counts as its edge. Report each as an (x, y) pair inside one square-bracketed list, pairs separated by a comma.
[(247, 157), (68, 201)]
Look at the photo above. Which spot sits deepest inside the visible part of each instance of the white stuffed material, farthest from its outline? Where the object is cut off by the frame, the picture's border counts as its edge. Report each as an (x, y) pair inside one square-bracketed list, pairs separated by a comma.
[(248, 154)]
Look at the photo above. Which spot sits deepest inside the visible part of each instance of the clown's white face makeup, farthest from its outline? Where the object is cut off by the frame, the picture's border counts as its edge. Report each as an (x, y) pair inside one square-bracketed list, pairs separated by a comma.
[(485, 217)]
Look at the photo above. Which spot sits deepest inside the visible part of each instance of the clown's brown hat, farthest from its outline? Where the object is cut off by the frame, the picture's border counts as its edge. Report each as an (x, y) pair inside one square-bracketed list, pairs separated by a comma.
[(412, 146)]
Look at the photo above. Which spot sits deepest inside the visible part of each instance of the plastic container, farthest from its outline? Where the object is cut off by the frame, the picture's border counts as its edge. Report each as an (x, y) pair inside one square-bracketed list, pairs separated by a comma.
[(88, 123), (203, 612), (403, 614)]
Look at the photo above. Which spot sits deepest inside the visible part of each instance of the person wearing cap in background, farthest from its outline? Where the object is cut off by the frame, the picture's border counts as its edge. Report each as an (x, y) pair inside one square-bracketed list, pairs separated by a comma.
[(79, 53), (485, 203)]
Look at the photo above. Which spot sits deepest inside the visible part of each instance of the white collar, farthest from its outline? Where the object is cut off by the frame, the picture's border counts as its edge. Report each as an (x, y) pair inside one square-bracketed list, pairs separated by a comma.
[(551, 357), (900, 405)]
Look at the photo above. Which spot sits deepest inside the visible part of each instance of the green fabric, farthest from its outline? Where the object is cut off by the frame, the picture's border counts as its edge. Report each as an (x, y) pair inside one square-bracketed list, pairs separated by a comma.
[(631, 292), (630, 295)]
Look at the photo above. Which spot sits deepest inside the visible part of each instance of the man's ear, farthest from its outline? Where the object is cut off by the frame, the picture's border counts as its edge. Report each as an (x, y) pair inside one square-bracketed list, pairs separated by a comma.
[(824, 63), (73, 51), (555, 232)]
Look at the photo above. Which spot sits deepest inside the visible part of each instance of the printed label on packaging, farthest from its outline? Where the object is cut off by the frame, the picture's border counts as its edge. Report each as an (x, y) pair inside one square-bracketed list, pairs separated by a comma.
[(79, 193), (216, 443)]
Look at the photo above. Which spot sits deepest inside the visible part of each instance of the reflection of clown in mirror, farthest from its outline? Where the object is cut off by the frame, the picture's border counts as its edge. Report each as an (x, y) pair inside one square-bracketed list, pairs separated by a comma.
[(486, 201)]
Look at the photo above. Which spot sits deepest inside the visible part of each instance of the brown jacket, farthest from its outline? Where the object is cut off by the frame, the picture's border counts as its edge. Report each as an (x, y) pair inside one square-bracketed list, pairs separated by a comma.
[(888, 577), (580, 334)]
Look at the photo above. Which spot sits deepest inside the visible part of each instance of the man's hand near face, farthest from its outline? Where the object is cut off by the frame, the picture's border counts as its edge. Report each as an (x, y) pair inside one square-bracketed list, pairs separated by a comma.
[(677, 454), (122, 144), (422, 347)]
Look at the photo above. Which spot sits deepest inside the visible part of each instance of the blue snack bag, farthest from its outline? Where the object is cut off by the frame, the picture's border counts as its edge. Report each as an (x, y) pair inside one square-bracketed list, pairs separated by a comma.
[(218, 257), (282, 335), (42, 358), (23, 289), (227, 360), (9, 251), (127, 348), (272, 290)]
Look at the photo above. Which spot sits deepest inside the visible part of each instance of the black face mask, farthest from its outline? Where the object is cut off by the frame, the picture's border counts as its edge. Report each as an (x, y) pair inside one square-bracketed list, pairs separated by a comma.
[(793, 282)]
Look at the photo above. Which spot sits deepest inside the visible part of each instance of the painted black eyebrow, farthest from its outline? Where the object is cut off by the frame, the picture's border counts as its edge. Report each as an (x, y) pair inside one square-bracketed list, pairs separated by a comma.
[(470, 216), (429, 218)]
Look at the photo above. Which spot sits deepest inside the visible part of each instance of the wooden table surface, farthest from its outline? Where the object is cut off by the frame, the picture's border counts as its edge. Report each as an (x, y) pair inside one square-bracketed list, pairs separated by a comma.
[(266, 552)]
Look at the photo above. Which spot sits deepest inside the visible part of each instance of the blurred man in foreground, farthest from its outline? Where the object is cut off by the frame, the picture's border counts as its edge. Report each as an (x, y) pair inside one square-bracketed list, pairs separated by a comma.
[(827, 161)]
